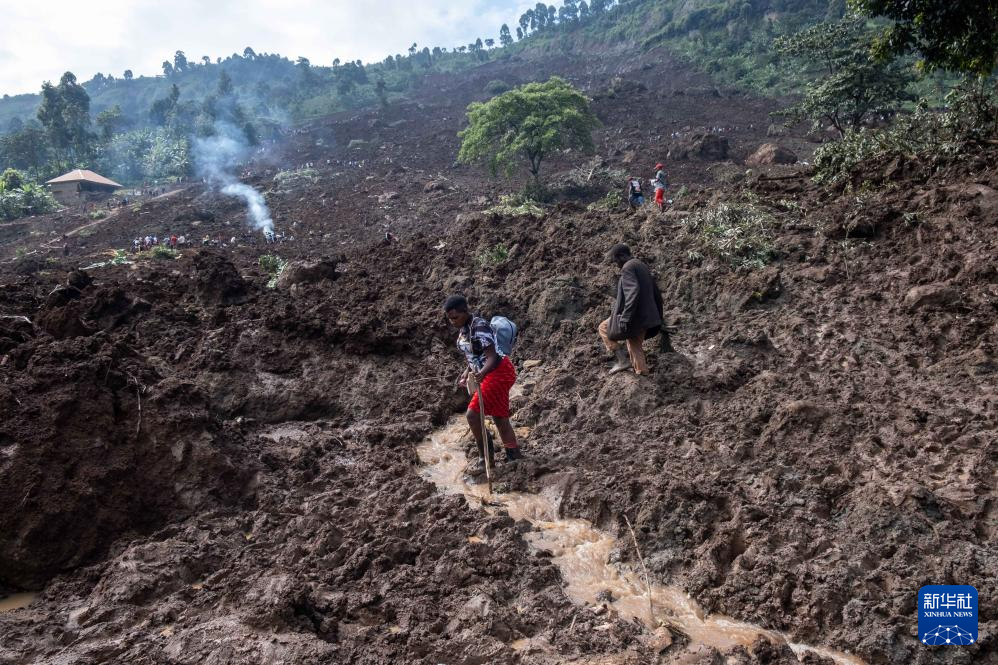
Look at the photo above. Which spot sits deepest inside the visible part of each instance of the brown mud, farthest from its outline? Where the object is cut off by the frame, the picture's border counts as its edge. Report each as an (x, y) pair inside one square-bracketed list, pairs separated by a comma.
[(196, 468)]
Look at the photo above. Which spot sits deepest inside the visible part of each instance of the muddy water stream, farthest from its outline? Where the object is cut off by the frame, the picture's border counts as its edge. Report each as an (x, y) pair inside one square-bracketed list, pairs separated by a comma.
[(582, 554), (16, 602)]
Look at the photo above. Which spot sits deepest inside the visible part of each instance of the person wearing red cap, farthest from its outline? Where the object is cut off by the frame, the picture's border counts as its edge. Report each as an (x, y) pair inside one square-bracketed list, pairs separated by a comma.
[(660, 184)]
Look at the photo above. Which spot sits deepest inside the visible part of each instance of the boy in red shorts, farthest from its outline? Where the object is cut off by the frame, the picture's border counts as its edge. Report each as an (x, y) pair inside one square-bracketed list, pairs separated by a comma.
[(490, 370)]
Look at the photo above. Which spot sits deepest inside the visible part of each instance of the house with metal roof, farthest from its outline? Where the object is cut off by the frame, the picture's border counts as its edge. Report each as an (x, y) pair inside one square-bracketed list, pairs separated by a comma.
[(81, 185)]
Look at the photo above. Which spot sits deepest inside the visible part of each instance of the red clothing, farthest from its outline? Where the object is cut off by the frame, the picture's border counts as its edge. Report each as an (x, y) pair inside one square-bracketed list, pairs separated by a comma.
[(495, 390), (660, 196)]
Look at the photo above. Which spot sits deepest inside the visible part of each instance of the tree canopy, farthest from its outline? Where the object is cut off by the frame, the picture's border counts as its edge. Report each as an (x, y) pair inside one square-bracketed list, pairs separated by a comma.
[(849, 83), (528, 123), (960, 35)]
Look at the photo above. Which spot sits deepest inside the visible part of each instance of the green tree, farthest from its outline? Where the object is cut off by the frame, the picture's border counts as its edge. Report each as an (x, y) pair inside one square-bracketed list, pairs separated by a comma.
[(65, 115), (128, 76), (11, 179), (179, 62), (960, 35), (224, 87), (27, 150), (583, 11), (162, 109), (109, 121), (527, 123), (505, 38), (539, 18), (167, 68), (20, 197), (249, 53), (849, 85)]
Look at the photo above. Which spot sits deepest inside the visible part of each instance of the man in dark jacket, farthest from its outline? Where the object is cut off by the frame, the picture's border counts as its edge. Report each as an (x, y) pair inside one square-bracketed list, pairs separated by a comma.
[(637, 313)]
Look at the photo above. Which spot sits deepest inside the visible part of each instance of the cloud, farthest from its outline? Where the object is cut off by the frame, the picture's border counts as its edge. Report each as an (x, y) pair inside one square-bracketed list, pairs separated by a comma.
[(40, 42)]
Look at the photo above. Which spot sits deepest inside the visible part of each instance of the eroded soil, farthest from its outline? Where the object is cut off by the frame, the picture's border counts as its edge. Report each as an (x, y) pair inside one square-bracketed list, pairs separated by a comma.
[(195, 468)]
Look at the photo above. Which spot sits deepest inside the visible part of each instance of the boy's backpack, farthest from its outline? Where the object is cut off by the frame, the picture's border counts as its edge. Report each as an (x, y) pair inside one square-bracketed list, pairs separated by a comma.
[(505, 332)]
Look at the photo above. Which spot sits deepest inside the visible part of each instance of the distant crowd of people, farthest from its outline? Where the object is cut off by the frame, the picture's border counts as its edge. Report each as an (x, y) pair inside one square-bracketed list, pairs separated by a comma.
[(174, 241)]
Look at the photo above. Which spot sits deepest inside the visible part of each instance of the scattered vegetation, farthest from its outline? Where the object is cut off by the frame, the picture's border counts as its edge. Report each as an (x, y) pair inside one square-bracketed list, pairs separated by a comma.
[(592, 178), (97, 214), (738, 234), (288, 180), (969, 122), (612, 201), (493, 256), (516, 205), (274, 266), (119, 257)]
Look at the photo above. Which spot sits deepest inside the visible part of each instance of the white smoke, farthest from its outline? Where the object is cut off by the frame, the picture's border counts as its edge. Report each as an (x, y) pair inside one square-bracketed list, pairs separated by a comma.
[(258, 210), (217, 158)]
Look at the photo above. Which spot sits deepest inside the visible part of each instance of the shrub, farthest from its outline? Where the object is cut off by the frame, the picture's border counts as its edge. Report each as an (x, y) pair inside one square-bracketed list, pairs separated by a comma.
[(165, 253), (493, 256), (97, 214), (26, 199), (738, 234), (970, 120), (273, 266), (611, 201), (515, 205), (496, 87)]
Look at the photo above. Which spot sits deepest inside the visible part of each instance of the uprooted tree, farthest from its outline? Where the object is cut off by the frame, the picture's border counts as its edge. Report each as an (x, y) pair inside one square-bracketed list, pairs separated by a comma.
[(528, 123)]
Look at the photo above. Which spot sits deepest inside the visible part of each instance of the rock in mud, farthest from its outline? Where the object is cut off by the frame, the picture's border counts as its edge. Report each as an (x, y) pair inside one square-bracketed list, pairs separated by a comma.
[(560, 299), (709, 147), (931, 296), (771, 153), (308, 272)]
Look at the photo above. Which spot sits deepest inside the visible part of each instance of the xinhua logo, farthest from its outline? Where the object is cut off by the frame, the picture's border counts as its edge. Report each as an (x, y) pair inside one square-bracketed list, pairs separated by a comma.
[(947, 614)]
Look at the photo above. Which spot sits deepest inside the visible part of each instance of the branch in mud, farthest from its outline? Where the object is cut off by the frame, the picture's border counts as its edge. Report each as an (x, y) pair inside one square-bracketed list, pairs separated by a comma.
[(138, 396)]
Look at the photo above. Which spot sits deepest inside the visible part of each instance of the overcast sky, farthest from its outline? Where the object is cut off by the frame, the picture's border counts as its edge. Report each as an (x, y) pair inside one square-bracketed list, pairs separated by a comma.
[(39, 41)]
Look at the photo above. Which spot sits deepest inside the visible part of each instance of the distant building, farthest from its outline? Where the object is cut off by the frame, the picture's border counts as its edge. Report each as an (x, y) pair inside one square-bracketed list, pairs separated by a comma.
[(79, 186)]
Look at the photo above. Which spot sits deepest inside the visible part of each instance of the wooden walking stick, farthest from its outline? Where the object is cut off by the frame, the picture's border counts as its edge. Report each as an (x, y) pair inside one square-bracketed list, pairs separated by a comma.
[(486, 453)]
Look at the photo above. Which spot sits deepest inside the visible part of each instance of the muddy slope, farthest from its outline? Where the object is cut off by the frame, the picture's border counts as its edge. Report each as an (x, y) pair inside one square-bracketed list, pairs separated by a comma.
[(201, 469)]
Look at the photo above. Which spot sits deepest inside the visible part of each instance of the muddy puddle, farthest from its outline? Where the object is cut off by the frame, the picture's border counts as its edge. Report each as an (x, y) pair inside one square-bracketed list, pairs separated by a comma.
[(582, 554), (17, 601)]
